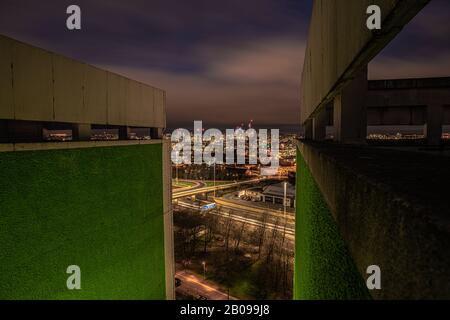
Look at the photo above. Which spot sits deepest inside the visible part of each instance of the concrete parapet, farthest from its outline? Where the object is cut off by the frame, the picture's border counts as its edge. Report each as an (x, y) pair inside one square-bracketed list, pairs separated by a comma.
[(391, 210), (99, 206), (37, 85)]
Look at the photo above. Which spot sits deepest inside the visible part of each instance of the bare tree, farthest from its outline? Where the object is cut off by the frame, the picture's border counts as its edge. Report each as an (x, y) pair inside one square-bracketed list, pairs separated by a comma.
[(262, 232), (271, 246), (279, 264), (227, 232), (239, 237)]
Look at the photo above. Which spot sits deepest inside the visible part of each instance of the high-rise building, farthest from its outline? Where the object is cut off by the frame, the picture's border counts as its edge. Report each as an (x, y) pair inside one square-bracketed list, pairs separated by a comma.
[(81, 219)]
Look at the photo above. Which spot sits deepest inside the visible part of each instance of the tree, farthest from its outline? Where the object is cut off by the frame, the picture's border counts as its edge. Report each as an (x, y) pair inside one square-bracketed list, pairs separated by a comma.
[(239, 237), (272, 242), (227, 232), (262, 232)]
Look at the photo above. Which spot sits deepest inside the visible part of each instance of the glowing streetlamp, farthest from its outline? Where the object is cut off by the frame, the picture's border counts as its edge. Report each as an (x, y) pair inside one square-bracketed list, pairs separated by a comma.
[(204, 269)]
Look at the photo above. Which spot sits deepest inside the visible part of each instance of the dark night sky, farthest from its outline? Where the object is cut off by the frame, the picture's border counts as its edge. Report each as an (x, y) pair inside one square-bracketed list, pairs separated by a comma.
[(223, 62)]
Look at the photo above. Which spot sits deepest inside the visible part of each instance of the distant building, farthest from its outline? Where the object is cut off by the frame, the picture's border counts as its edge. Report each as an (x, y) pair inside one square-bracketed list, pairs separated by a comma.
[(418, 107), (275, 194), (402, 109), (271, 194)]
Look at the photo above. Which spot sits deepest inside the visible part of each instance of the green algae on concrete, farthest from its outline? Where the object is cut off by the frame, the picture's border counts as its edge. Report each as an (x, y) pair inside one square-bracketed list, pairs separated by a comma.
[(323, 266), (98, 208)]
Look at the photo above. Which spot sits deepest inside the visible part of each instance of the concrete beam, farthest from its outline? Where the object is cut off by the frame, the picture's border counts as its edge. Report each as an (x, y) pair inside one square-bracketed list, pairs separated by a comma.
[(81, 132), (38, 85), (340, 45), (433, 127)]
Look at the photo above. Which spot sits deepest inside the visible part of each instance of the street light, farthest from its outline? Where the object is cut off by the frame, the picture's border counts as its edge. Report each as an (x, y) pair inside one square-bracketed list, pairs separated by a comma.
[(204, 269), (214, 178), (284, 199), (214, 175)]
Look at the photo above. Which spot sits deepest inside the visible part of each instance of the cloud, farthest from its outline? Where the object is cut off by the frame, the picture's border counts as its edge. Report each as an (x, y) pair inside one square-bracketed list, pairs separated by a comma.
[(237, 84), (419, 67), (421, 49), (270, 61), (219, 61)]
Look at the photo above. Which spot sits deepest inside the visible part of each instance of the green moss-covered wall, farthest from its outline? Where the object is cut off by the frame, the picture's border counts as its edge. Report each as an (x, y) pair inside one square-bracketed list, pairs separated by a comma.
[(98, 208), (323, 267)]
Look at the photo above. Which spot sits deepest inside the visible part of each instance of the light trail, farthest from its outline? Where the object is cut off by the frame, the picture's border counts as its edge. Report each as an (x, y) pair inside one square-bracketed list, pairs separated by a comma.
[(290, 232)]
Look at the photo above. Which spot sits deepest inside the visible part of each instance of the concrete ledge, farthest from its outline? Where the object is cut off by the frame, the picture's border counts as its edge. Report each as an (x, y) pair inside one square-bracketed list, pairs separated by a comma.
[(169, 250), (11, 147), (391, 208), (38, 85)]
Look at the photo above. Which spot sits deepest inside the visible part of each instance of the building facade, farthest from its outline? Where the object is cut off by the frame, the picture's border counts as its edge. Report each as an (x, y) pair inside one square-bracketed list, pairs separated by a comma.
[(102, 206)]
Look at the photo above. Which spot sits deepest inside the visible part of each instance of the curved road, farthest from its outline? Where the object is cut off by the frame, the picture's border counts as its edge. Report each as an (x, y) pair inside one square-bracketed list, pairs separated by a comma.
[(192, 284)]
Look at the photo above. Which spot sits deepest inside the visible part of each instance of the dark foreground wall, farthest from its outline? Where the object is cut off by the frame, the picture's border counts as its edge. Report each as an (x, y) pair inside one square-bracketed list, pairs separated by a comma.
[(391, 209), (323, 266), (98, 208)]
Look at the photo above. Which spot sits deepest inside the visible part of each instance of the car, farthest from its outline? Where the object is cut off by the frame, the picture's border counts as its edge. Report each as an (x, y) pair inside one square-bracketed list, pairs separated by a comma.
[(200, 297), (177, 282)]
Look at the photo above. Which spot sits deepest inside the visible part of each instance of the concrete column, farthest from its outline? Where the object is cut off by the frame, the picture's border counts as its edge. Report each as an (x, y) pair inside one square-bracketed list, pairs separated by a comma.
[(433, 127), (124, 132), (308, 129), (320, 126), (156, 133), (4, 135), (81, 132), (350, 111)]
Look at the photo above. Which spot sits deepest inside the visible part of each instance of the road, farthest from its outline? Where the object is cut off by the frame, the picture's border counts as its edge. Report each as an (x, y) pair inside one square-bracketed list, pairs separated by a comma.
[(177, 193), (249, 216), (196, 184), (192, 284)]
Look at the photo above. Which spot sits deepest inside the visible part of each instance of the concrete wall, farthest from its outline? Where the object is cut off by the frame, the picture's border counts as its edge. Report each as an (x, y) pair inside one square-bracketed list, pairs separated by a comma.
[(324, 268), (39, 85), (168, 220), (96, 205), (340, 45), (388, 207)]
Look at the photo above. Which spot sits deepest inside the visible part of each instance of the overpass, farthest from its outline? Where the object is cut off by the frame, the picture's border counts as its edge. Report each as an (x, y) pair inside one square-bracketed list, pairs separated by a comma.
[(357, 205), (193, 191), (251, 216)]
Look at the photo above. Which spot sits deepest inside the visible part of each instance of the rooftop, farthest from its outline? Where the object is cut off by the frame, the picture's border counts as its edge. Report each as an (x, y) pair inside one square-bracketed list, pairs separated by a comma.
[(278, 190)]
